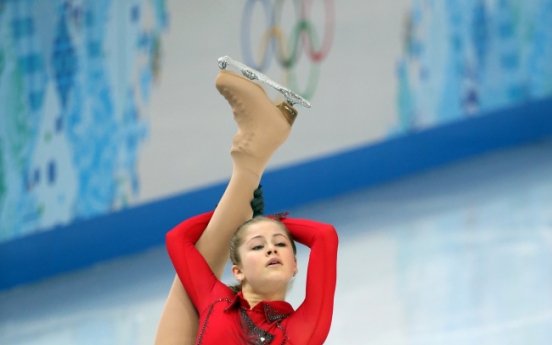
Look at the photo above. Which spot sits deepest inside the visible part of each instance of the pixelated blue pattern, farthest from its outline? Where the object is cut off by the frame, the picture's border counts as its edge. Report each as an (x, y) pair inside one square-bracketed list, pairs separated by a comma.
[(22, 27), (73, 130), (466, 58), (64, 60)]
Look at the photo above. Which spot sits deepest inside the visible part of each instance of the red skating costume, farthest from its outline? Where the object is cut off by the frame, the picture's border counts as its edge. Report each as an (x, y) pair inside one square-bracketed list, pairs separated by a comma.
[(226, 318)]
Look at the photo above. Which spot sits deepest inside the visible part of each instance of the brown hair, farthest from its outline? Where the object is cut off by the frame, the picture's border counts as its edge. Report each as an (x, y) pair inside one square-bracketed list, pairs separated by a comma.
[(237, 241)]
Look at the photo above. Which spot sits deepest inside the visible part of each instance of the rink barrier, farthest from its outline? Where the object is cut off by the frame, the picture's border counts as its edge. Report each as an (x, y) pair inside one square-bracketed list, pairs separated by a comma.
[(84, 243)]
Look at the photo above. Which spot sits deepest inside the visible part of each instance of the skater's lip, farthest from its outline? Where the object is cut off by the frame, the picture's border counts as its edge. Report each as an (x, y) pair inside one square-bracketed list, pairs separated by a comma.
[(274, 261)]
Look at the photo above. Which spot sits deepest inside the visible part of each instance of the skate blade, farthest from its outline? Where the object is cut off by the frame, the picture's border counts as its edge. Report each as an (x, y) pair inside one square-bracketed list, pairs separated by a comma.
[(291, 97)]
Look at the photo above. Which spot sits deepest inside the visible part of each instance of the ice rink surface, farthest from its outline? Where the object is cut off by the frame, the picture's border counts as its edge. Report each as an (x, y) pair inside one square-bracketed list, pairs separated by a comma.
[(457, 255)]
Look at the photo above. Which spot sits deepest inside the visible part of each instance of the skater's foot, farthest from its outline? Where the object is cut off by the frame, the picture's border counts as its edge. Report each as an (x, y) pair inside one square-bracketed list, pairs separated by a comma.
[(262, 126)]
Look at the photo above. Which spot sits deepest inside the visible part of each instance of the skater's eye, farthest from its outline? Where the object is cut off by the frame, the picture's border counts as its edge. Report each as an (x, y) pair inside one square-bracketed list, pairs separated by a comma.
[(281, 244), (257, 247)]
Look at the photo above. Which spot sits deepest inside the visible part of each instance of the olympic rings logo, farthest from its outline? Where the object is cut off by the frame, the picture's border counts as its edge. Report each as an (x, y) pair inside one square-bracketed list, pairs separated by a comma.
[(287, 50)]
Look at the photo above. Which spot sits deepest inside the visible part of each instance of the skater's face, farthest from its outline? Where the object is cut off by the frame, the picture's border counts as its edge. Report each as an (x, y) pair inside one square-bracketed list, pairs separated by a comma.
[(266, 258)]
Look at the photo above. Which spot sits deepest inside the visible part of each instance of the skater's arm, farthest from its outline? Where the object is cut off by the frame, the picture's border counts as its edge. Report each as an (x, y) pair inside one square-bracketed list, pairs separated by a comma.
[(310, 324), (199, 281)]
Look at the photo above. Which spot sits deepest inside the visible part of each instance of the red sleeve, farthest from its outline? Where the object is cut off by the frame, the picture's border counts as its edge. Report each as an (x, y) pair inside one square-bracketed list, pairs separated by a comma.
[(310, 324), (201, 285)]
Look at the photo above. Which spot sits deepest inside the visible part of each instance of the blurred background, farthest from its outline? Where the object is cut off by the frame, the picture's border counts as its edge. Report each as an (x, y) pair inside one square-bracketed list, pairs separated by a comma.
[(428, 146)]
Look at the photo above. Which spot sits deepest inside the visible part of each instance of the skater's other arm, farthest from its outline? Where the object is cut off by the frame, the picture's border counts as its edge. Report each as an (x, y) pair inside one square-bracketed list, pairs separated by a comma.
[(310, 324)]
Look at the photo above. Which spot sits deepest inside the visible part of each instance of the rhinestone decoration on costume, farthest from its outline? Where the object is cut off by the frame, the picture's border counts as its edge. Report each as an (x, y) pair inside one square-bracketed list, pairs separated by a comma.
[(465, 58), (75, 82), (273, 314), (254, 334)]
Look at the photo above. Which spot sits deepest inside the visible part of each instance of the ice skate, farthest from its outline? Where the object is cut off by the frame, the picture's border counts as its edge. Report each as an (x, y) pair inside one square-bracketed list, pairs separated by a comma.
[(291, 97)]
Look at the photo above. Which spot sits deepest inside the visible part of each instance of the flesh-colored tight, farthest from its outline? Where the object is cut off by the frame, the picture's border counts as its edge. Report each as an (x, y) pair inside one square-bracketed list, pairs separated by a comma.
[(262, 128)]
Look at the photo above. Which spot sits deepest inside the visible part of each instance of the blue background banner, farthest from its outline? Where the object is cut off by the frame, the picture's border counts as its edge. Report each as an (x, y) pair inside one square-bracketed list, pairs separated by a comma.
[(75, 79)]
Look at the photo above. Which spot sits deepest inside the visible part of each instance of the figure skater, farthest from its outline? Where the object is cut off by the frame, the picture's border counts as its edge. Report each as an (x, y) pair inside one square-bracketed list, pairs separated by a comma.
[(199, 248)]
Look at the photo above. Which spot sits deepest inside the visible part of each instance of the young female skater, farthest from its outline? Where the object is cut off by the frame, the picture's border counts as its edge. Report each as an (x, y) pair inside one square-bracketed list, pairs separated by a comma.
[(264, 262), (262, 128)]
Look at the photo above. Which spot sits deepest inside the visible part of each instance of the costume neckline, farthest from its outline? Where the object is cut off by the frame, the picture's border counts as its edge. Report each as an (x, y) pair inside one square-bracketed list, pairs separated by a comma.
[(272, 310)]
